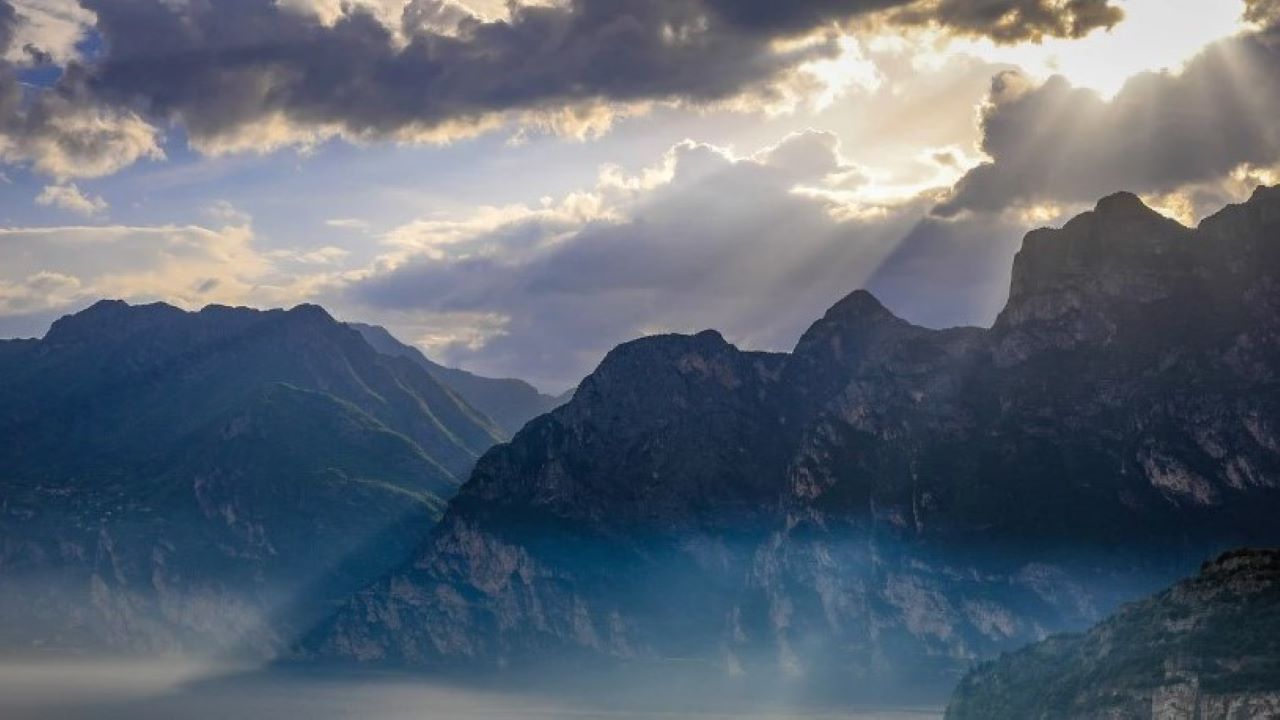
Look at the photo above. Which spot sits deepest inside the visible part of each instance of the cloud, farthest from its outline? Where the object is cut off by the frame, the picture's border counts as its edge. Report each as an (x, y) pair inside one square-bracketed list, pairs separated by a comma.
[(62, 133), (235, 66), (49, 31), (326, 255), (1018, 20), (38, 291), (69, 197), (1161, 132), (703, 238), (48, 269), (262, 74), (226, 213), (347, 224), (8, 25), (1263, 12)]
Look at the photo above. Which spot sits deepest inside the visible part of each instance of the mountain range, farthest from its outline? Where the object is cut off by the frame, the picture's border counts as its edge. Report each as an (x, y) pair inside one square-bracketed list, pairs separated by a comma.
[(886, 503), (872, 512), (214, 480)]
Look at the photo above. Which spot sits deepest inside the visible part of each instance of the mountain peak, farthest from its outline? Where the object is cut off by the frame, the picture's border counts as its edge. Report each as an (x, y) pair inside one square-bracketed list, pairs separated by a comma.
[(310, 309), (853, 315), (1121, 204), (856, 331), (1071, 280), (108, 317), (106, 304), (857, 305), (1265, 193)]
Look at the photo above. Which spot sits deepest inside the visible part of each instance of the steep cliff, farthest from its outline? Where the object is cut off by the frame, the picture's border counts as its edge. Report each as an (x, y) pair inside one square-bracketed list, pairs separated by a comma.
[(1207, 648), (887, 502)]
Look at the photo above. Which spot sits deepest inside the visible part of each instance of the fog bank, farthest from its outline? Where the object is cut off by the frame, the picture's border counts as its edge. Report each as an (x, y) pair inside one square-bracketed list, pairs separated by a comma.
[(165, 689)]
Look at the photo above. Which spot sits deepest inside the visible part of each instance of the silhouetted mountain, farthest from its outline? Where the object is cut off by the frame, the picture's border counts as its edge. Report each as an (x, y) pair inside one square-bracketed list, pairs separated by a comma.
[(210, 480), (509, 402), (887, 502), (1207, 648)]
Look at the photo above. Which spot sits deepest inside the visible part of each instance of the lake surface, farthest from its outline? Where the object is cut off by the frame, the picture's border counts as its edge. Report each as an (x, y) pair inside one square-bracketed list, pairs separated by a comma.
[(130, 690)]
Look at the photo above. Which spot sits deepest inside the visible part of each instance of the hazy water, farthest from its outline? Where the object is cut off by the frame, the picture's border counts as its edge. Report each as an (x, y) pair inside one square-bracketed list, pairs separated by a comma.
[(106, 690)]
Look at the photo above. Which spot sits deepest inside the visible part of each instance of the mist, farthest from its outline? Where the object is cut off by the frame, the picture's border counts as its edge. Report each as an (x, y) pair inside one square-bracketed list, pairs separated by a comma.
[(152, 689)]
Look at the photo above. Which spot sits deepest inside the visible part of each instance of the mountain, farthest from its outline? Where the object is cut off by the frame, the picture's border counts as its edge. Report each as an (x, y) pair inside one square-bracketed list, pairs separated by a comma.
[(1208, 648), (509, 402), (211, 481), (887, 502)]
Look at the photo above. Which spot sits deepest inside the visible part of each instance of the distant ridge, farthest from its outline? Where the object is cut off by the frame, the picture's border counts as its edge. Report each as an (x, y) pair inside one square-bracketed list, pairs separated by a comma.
[(509, 402)]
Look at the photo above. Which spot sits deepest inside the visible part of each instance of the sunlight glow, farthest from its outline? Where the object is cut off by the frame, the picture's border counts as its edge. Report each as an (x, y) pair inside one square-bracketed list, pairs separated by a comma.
[(849, 70), (1155, 35)]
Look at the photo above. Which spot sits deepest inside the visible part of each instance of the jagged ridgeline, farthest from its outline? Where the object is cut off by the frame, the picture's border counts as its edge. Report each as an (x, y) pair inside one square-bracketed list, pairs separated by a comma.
[(212, 480), (1207, 648), (887, 503)]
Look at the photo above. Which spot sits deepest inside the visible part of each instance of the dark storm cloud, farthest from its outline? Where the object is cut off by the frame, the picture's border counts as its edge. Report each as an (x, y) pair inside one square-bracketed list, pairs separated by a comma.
[(221, 66), (1262, 11), (1162, 131), (10, 88), (1015, 20), (8, 25)]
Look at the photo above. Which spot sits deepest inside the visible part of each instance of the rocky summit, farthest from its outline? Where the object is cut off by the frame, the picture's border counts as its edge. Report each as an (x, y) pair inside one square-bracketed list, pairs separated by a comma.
[(210, 481), (887, 503), (1207, 648)]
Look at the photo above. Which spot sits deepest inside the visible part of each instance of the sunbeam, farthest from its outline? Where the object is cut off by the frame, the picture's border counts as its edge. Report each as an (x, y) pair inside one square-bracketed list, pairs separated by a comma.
[(1155, 35)]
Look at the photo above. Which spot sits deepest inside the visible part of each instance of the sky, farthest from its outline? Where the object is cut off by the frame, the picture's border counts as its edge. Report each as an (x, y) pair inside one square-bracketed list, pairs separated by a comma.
[(517, 187)]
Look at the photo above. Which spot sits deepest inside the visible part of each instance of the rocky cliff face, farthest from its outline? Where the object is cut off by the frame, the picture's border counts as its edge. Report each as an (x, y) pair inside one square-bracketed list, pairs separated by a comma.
[(210, 481), (566, 532), (887, 502), (1208, 648)]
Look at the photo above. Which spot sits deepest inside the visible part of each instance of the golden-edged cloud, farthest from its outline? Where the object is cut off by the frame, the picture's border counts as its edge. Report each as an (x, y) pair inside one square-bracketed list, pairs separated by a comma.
[(756, 245), (1162, 131), (263, 74), (49, 269)]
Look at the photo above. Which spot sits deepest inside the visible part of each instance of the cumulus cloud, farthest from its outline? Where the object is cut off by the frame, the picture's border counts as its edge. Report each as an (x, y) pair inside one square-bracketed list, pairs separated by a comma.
[(37, 291), (703, 238), (1017, 20), (1161, 132), (48, 270), (260, 74), (66, 137), (228, 67), (62, 132), (8, 25), (1263, 12), (70, 198), (49, 31)]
